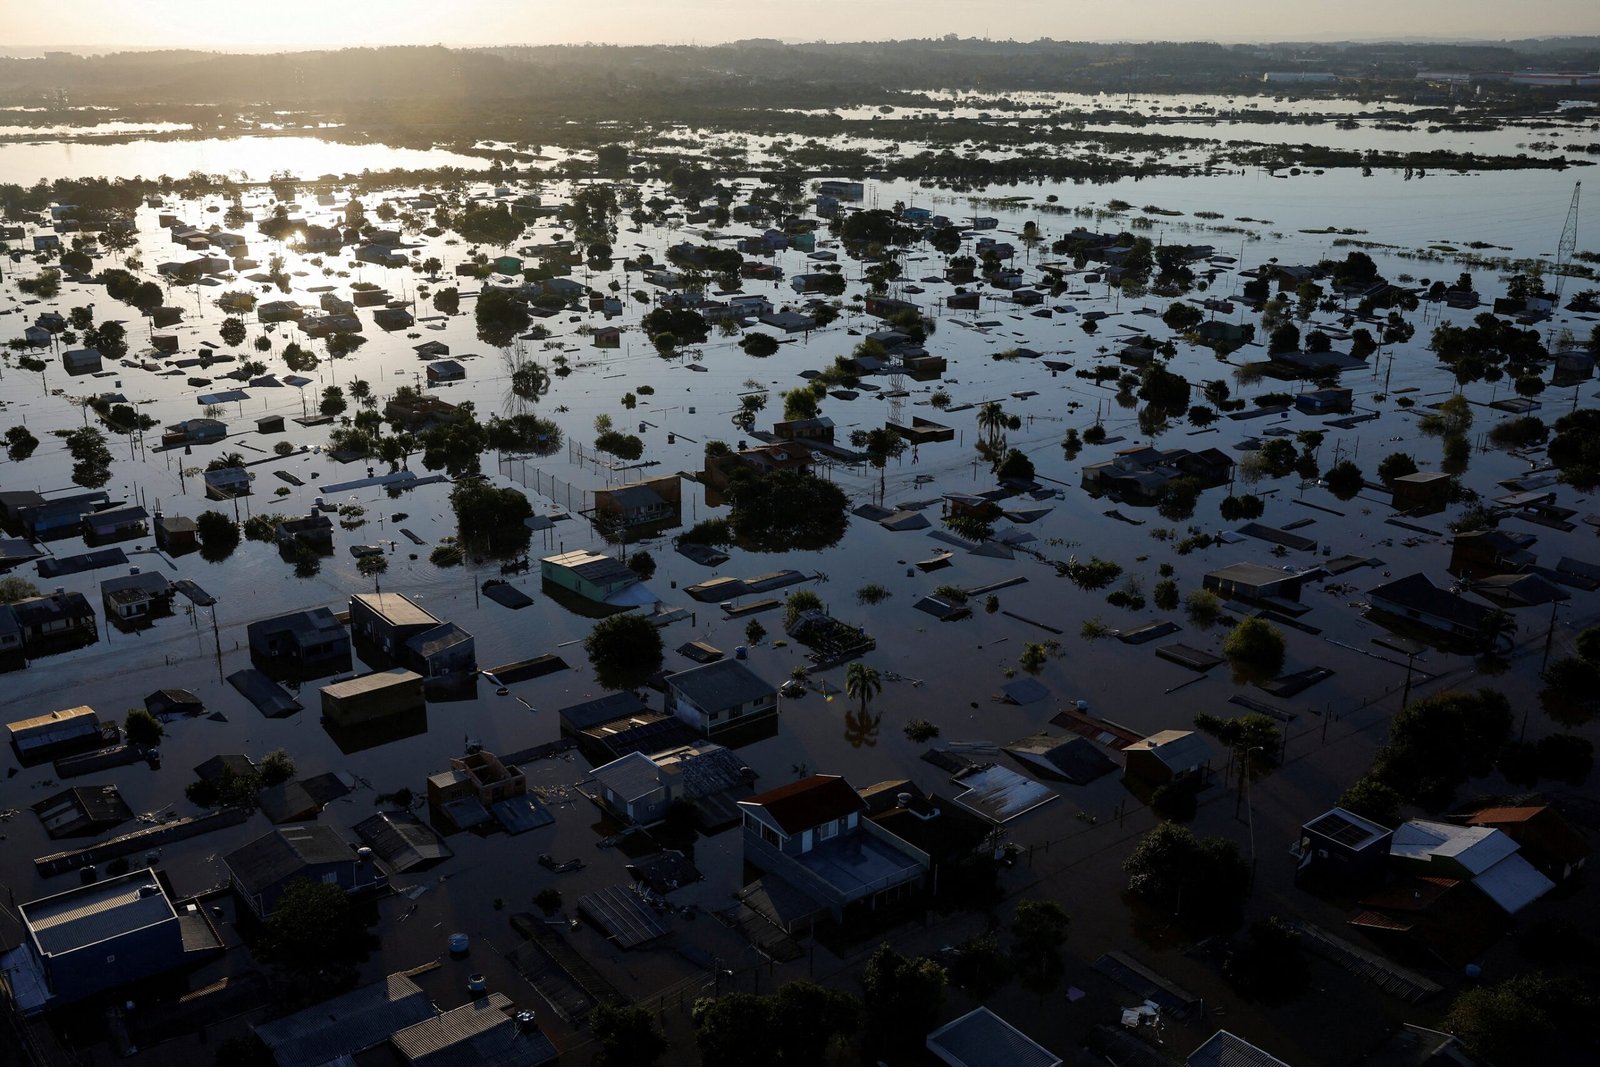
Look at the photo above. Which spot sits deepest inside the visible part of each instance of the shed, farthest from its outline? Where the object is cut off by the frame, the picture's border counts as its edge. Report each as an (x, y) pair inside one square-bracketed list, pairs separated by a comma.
[(402, 841), (269, 424)]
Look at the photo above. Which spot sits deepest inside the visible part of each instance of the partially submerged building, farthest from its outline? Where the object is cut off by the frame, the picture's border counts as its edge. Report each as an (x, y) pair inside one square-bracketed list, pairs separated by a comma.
[(811, 836), (309, 643), (716, 697), (103, 936), (261, 871)]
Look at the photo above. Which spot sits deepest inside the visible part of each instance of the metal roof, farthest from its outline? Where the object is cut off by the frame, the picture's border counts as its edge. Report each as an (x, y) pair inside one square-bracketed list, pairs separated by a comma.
[(53, 727), (609, 708), (434, 1035), (1181, 750), (1223, 1049), (592, 567), (445, 636), (721, 685), (347, 1024), (285, 853), (981, 1038), (807, 803), (98, 912), (402, 841), (631, 777)]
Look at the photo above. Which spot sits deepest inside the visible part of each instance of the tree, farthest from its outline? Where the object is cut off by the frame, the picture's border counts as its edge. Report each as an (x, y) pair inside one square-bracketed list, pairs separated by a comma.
[(1285, 338), (1033, 658), (20, 443), (315, 935), (1575, 448), (786, 510), (14, 588), (232, 332), (624, 650), (1396, 465), (881, 444), (1372, 799), (1345, 480), (1203, 880), (1436, 743), (110, 340), (142, 728), (1038, 930), (491, 520), (862, 683), (643, 564), (754, 632), (218, 534), (1524, 1020), (1270, 966), (759, 345), (276, 768), (795, 1027), (627, 1035), (980, 968), (1255, 650), (333, 402), (903, 1001)]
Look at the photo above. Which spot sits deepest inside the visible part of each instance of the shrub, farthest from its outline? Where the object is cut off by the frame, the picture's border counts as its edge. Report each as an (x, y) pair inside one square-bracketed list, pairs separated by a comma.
[(920, 731)]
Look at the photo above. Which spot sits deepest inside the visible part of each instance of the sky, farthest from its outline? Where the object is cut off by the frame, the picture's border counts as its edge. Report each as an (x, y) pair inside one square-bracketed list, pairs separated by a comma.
[(290, 24)]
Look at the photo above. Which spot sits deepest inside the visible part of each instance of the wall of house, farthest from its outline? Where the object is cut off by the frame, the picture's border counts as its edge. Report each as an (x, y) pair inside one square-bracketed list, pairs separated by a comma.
[(130, 958)]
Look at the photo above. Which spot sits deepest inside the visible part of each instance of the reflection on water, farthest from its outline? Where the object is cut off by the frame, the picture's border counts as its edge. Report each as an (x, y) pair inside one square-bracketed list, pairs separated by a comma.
[(248, 157)]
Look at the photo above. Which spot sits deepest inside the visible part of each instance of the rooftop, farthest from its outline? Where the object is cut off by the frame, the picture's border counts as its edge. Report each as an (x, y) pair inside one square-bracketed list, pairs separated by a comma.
[(98, 912), (807, 803), (592, 567), (981, 1038), (1347, 828), (357, 1020), (375, 682), (284, 853), (1223, 1049), (724, 684), (395, 608)]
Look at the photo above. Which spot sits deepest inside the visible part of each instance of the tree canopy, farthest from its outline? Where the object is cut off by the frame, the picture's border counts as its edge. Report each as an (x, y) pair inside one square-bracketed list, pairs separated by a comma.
[(624, 650)]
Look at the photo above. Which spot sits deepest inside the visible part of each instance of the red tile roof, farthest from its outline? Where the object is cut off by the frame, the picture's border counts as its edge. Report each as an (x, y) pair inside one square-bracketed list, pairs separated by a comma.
[(809, 802)]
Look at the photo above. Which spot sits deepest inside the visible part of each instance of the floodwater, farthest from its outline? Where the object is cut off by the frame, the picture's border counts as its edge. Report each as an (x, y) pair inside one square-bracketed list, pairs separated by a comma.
[(245, 158), (949, 673)]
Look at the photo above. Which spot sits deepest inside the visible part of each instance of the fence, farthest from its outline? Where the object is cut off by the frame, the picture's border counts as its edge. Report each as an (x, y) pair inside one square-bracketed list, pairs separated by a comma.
[(578, 501)]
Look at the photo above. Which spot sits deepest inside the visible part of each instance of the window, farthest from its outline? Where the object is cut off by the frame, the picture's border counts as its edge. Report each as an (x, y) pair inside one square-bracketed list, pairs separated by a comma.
[(827, 830)]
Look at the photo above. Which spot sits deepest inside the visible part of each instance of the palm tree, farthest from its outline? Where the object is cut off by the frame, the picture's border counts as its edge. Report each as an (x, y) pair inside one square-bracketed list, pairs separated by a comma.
[(992, 421), (1498, 629), (862, 681)]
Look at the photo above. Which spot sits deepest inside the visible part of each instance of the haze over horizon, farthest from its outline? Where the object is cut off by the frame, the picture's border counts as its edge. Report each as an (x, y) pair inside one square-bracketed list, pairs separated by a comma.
[(109, 25)]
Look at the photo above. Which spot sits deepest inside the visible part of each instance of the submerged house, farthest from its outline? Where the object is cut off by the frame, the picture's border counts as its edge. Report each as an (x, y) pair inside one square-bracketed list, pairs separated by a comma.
[(656, 501), (1418, 600), (641, 788), (312, 643), (56, 621), (260, 871), (103, 936), (719, 696), (386, 621), (313, 530), (137, 596), (811, 836), (597, 578)]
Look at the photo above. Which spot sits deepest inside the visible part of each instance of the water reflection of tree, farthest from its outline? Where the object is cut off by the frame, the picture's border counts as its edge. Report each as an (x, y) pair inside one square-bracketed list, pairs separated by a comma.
[(527, 378), (861, 728)]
